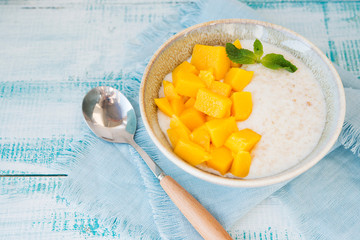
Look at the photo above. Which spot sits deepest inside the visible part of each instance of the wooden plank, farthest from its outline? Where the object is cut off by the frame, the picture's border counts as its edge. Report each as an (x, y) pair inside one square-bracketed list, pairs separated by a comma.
[(81, 40), (31, 209), (331, 25)]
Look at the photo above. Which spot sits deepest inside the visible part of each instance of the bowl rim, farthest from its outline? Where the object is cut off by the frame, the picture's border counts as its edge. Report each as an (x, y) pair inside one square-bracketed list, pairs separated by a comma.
[(234, 182)]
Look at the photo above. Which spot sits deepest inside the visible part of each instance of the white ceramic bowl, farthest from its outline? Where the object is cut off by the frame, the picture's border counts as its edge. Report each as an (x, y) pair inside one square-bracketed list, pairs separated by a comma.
[(179, 48)]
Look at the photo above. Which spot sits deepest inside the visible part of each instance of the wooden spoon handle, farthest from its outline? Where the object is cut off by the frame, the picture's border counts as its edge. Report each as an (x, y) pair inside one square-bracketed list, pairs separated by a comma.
[(198, 216)]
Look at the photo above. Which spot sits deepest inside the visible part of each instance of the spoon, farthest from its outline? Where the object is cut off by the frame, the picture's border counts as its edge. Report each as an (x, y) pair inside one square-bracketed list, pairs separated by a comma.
[(111, 117)]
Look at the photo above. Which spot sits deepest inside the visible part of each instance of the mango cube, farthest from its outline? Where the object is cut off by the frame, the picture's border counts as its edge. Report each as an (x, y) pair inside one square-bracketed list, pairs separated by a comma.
[(221, 159), (220, 88), (207, 77), (201, 136), (176, 122), (188, 84), (238, 45), (208, 118), (205, 57), (243, 140), (177, 133), (242, 105), (192, 118), (177, 106), (191, 152), (238, 78), (190, 102), (164, 106), (241, 164), (221, 129), (169, 91), (212, 104), (183, 67)]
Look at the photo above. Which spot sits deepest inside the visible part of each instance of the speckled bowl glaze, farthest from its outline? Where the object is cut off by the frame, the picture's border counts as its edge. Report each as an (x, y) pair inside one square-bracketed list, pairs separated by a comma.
[(179, 48)]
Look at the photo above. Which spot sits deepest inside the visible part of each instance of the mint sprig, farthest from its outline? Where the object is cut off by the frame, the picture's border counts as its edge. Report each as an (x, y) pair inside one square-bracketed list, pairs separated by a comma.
[(245, 56), (277, 61), (242, 56), (258, 49)]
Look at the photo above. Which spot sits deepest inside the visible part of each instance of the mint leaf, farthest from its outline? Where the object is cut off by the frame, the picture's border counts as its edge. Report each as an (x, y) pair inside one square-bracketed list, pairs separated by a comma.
[(242, 56), (277, 61), (258, 49)]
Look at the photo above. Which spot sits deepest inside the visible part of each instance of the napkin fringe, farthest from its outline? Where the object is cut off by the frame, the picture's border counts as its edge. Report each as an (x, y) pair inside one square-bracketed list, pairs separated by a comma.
[(159, 32), (140, 51), (72, 193), (350, 138), (76, 150), (157, 196)]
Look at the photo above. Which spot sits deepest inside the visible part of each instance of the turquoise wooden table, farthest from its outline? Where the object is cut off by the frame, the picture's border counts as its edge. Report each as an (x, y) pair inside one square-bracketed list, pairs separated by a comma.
[(47, 47)]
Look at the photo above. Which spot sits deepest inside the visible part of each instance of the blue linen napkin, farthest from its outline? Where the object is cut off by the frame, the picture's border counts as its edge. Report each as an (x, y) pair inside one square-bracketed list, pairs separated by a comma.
[(112, 183)]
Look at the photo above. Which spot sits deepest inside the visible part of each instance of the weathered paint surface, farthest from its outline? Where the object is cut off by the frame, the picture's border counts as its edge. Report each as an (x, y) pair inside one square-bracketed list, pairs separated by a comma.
[(63, 49)]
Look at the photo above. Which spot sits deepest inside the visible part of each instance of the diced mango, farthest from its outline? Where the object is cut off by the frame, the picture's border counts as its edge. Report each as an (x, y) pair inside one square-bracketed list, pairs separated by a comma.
[(190, 102), (221, 129), (205, 57), (177, 106), (191, 152), (183, 67), (211, 70), (207, 77), (164, 106), (228, 113), (208, 118), (212, 104), (242, 105), (243, 140), (188, 84), (238, 45), (177, 133), (241, 164), (221, 159), (238, 78), (192, 118), (201, 136), (176, 122), (169, 91), (185, 98), (201, 129), (220, 88)]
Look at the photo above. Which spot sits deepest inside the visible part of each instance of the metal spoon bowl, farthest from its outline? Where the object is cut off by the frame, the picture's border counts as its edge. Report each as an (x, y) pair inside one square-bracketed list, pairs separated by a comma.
[(110, 115)]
